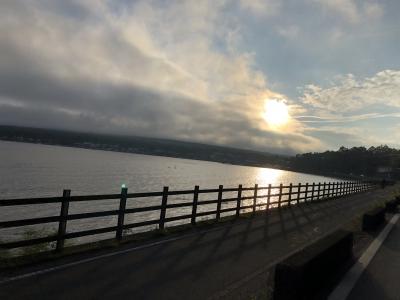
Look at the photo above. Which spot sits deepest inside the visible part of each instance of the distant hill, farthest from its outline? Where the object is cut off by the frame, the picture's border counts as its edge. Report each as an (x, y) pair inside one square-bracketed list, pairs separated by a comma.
[(353, 163), (143, 145)]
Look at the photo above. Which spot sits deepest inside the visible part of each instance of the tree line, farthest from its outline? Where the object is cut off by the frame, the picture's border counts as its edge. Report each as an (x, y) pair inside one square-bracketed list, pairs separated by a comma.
[(381, 161)]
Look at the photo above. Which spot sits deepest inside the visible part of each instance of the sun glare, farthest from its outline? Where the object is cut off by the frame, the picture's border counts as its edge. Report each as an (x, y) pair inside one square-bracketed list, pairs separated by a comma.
[(276, 112)]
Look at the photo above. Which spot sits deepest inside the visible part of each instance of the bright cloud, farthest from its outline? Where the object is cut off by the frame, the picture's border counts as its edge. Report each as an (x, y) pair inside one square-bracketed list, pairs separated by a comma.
[(350, 93), (363, 111)]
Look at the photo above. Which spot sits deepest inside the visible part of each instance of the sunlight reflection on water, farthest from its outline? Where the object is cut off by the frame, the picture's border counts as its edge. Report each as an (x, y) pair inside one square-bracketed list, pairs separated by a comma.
[(267, 176)]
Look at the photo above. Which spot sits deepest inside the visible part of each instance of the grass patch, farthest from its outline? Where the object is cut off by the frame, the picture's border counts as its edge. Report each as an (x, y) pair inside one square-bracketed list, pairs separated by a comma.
[(30, 234)]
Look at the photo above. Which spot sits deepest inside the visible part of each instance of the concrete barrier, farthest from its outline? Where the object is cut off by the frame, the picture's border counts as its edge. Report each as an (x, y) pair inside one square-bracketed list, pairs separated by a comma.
[(302, 275), (373, 218)]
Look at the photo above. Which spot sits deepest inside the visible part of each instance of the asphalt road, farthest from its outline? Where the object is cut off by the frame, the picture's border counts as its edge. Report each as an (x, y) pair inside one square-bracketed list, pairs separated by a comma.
[(197, 265), (381, 279)]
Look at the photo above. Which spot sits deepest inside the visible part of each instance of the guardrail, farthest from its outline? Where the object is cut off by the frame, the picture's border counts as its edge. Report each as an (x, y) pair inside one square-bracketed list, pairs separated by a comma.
[(272, 196)]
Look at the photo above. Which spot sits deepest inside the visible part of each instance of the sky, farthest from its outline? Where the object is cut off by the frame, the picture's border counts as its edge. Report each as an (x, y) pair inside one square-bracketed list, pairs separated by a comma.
[(203, 70)]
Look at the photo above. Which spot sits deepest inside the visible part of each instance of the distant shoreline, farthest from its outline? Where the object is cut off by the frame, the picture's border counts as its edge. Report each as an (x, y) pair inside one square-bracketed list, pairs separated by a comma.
[(147, 154), (333, 176), (165, 148)]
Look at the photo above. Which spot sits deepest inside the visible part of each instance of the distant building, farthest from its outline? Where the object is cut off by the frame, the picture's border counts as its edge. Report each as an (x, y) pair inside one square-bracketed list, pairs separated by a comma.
[(388, 172)]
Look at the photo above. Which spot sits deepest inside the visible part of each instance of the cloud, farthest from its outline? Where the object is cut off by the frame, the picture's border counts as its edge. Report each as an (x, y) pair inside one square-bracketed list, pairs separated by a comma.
[(373, 10), (353, 111), (170, 70), (289, 32), (350, 93), (351, 10), (261, 7), (348, 137), (353, 118), (201, 70)]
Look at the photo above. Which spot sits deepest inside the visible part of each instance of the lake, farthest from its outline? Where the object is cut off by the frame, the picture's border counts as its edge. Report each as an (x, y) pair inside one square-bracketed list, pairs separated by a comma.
[(34, 170)]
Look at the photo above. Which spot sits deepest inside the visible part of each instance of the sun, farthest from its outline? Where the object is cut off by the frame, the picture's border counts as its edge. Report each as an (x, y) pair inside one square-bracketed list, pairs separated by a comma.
[(276, 112)]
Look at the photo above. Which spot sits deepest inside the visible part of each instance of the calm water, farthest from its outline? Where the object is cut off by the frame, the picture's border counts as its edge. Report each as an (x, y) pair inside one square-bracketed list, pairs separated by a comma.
[(32, 170)]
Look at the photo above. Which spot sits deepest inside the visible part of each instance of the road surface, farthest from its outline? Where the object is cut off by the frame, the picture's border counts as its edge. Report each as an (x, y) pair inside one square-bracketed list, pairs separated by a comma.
[(228, 260), (381, 279)]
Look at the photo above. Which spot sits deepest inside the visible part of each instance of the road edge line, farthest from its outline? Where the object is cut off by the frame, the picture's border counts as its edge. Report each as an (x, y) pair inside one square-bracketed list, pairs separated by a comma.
[(344, 288), (106, 255)]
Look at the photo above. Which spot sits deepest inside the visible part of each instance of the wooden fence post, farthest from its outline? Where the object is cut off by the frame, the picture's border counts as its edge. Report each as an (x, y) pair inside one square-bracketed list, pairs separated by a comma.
[(290, 194), (255, 198), (306, 193), (280, 195), (239, 200), (194, 207), (219, 202), (319, 190), (329, 189), (62, 225), (335, 186), (163, 207), (312, 191), (121, 213), (298, 193), (268, 196), (323, 192)]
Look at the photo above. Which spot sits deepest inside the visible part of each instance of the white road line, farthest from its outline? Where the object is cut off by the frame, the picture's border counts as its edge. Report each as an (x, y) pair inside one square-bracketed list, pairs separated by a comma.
[(343, 290), (87, 260)]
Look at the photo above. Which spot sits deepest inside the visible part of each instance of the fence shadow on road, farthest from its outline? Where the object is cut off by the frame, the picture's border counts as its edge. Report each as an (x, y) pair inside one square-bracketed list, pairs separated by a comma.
[(251, 242)]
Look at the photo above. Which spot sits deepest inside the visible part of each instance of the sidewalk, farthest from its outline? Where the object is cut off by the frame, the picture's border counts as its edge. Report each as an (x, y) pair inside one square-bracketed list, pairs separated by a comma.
[(229, 260)]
